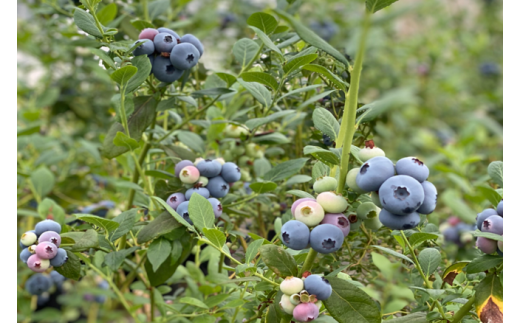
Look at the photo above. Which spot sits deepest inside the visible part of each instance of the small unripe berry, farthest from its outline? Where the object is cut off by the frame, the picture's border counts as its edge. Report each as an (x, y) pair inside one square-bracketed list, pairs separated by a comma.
[(306, 312), (291, 285), (332, 202), (286, 305), (309, 212), (298, 201), (189, 174), (28, 238), (37, 264), (324, 184), (370, 151), (351, 180)]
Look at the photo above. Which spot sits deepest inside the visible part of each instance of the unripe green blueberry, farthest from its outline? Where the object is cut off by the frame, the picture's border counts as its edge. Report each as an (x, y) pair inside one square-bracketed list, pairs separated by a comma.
[(238, 150), (355, 221), (254, 151), (324, 184), (370, 151), (232, 131), (374, 196), (367, 210), (291, 285), (227, 155), (286, 305), (246, 175), (295, 299), (373, 223), (28, 238), (189, 175), (351, 180), (203, 181), (332, 202), (310, 213), (318, 304), (466, 237)]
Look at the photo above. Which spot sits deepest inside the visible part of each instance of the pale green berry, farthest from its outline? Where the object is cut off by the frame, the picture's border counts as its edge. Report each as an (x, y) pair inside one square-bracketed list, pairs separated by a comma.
[(370, 151), (373, 223), (310, 213), (324, 184), (375, 199), (367, 210), (291, 285), (254, 151), (28, 238), (286, 305), (203, 180), (295, 299), (221, 160), (355, 222), (351, 180), (332, 202)]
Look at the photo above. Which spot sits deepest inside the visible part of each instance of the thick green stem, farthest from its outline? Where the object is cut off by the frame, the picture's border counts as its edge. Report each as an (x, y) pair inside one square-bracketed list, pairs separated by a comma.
[(463, 310), (144, 3), (307, 265), (152, 304), (135, 176)]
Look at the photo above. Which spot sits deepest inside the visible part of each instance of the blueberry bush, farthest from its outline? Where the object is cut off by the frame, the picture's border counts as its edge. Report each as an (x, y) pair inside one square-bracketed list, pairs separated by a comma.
[(260, 161)]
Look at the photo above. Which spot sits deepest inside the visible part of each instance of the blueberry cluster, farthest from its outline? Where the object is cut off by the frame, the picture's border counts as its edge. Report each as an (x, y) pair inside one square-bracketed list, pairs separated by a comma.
[(492, 221), (40, 247), (211, 178), (456, 231), (323, 215), (302, 298), (40, 285), (169, 54)]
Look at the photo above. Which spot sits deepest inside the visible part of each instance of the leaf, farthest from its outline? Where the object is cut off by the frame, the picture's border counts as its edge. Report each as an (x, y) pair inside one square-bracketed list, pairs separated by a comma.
[(263, 21), (490, 194), (192, 301), (216, 237), (285, 169), (298, 62), (489, 302), (107, 225), (163, 273), (272, 138), (211, 92), (162, 224), (103, 56), (142, 62), (429, 259), (257, 122), (266, 40), (319, 169), (298, 179), (418, 317), (72, 268), (260, 77), (107, 13), (391, 99), (263, 187), (86, 22), (314, 99), (393, 253), (252, 250), (179, 152), (496, 172), (228, 78), (299, 193), (115, 259), (325, 122), (258, 91), (245, 51), (141, 24), (483, 263), (278, 260), (488, 235), (83, 240), (300, 90), (323, 155), (453, 270), (157, 8), (311, 38), (49, 209), (420, 237), (158, 252), (375, 5), (338, 83), (348, 303), (42, 180), (201, 212), (192, 140), (122, 140), (157, 173)]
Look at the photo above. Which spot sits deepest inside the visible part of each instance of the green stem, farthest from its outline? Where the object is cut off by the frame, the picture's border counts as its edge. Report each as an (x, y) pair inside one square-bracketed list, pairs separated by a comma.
[(152, 304), (242, 201), (309, 261), (463, 310), (123, 112), (145, 10), (248, 66)]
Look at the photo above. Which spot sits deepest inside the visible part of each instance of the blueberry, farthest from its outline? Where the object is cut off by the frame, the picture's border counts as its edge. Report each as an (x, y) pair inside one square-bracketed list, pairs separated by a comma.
[(298, 201), (217, 207), (148, 33), (370, 152), (182, 210), (286, 304), (184, 56), (351, 180), (367, 208), (47, 225), (484, 215), (413, 167), (60, 259), (373, 223), (46, 250), (326, 238), (451, 234), (399, 222), (203, 181), (493, 224), (37, 264), (453, 220), (309, 212), (374, 197), (430, 198), (291, 285), (51, 237), (327, 141), (217, 187), (332, 202), (295, 235), (28, 238), (204, 192), (100, 299), (339, 220), (209, 168), (25, 254), (152, 60), (38, 284), (169, 31), (489, 69), (189, 175), (355, 221), (180, 165), (42, 299), (401, 195), (325, 183), (230, 172), (248, 189), (500, 208), (188, 38), (146, 48), (57, 278), (175, 199), (319, 286), (164, 71), (305, 312), (374, 172), (486, 245), (164, 42)]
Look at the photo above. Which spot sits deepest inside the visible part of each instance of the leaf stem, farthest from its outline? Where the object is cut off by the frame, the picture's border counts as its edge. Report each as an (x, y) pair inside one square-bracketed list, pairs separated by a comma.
[(309, 261), (463, 310)]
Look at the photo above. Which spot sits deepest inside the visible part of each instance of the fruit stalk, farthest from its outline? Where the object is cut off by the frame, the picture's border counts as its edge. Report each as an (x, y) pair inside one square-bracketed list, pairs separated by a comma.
[(309, 260), (463, 310)]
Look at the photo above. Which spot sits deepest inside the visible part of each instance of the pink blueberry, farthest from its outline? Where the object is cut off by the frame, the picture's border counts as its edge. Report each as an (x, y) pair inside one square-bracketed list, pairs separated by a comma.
[(37, 264), (51, 237), (306, 312), (338, 220), (46, 250), (175, 200), (486, 245), (297, 202), (189, 174), (148, 33)]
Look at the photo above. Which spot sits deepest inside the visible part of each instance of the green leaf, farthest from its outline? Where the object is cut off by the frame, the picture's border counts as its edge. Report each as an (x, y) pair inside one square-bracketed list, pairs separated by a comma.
[(338, 83), (201, 212), (490, 194), (228, 78), (86, 22), (391, 99), (489, 302), (300, 90), (42, 180), (453, 270), (263, 21), (496, 172), (252, 250), (103, 56), (278, 260), (299, 193), (216, 237), (49, 208), (298, 179), (124, 74), (418, 317), (266, 40), (315, 98), (325, 122), (348, 303), (83, 240), (211, 92), (115, 259), (141, 24), (107, 13), (192, 301), (375, 5), (263, 187), (311, 38), (158, 7), (142, 62), (488, 235), (272, 138), (177, 217), (158, 252), (157, 173), (162, 224), (285, 169), (323, 155), (298, 62), (258, 91), (163, 273), (122, 140), (483, 263), (320, 169), (429, 259), (215, 300), (72, 268), (179, 152), (393, 253), (245, 51), (107, 225), (192, 140), (257, 122), (419, 237), (261, 77)]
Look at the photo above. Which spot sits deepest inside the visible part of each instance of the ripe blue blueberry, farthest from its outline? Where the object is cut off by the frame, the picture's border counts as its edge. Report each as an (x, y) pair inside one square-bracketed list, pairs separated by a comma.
[(430, 198), (484, 215), (217, 207), (451, 234), (164, 42), (164, 71), (326, 238), (182, 210), (217, 187), (184, 56), (319, 286), (209, 168), (204, 192), (169, 31), (38, 284), (493, 224), (327, 141), (57, 278), (60, 259), (152, 59), (189, 38), (399, 222), (180, 165), (28, 238), (401, 194), (47, 225), (51, 237), (413, 167), (500, 208), (42, 299), (374, 172), (295, 235), (487, 245), (25, 254), (146, 48), (338, 220), (175, 199), (230, 172)]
